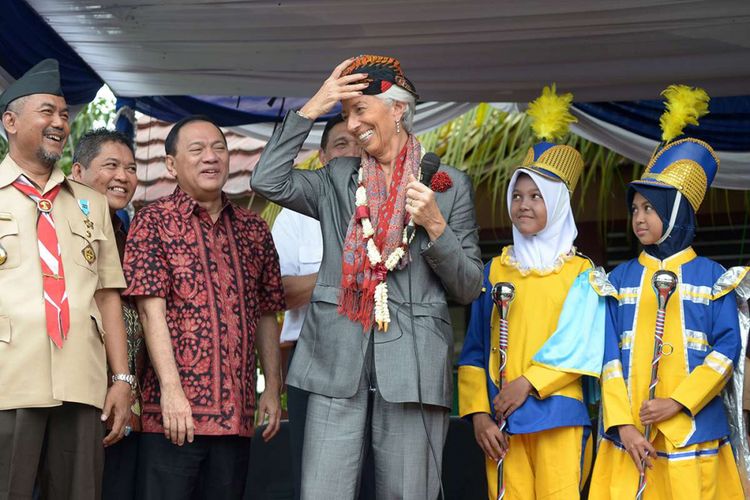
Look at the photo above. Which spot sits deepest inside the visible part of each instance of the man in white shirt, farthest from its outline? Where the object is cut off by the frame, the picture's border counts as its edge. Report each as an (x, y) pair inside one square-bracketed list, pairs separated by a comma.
[(300, 247)]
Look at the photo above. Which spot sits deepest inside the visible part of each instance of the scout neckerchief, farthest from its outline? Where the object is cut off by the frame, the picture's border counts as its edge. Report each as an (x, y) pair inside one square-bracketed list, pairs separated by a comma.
[(53, 277)]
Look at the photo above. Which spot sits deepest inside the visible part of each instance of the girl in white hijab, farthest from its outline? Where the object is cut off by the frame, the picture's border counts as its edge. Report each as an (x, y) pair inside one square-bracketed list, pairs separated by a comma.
[(525, 395), (547, 249)]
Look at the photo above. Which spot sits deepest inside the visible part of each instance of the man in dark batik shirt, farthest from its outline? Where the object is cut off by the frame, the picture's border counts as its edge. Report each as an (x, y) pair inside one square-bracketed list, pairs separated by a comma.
[(105, 160), (205, 276)]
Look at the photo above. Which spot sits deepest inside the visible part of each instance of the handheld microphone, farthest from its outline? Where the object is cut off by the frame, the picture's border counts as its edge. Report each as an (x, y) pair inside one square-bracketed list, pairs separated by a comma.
[(429, 167)]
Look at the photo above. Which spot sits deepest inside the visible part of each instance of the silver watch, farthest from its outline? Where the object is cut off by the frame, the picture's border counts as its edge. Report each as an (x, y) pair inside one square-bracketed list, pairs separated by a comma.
[(124, 377)]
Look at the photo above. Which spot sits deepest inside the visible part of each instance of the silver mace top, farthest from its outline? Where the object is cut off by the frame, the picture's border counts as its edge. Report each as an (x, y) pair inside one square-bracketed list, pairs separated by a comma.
[(503, 294), (664, 284)]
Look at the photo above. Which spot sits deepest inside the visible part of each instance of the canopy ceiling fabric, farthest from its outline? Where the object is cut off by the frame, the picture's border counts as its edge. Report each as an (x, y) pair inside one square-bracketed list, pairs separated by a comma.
[(462, 51), (468, 51), (25, 39)]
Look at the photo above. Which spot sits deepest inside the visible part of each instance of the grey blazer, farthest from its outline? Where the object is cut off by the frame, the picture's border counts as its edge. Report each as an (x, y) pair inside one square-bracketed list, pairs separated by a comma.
[(330, 352)]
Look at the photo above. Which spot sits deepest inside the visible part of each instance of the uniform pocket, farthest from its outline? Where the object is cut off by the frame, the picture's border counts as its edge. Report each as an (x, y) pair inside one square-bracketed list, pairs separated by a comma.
[(87, 237), (10, 253)]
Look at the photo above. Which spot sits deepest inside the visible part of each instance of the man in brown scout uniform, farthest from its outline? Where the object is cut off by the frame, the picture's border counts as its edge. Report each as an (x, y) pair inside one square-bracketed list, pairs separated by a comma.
[(60, 277)]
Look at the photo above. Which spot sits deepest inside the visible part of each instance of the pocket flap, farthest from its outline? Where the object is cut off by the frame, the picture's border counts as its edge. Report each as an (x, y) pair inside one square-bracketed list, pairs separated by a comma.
[(8, 225), (78, 226)]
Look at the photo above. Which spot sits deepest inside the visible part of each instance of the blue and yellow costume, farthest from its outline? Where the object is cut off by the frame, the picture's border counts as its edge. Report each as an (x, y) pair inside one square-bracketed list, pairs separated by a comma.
[(555, 337), (702, 344)]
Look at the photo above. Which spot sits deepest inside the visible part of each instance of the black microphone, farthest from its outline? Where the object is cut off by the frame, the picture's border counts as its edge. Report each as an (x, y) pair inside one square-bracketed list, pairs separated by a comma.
[(429, 167)]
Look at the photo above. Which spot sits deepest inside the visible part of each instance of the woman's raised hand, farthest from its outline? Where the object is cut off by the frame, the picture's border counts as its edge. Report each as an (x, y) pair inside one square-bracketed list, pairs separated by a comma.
[(336, 88)]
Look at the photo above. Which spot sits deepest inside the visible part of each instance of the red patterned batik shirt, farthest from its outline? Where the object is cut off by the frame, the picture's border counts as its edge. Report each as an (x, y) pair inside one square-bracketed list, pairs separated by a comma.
[(217, 279)]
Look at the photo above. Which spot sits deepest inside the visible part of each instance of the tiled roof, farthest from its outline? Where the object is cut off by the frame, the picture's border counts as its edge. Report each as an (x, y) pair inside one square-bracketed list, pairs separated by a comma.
[(153, 179)]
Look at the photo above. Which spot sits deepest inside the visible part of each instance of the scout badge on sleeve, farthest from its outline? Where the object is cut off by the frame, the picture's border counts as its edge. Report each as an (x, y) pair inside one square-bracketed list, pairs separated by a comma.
[(88, 250), (664, 284), (503, 294)]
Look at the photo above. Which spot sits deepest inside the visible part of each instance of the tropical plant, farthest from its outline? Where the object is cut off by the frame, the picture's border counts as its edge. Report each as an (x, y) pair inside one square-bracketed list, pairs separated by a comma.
[(488, 144)]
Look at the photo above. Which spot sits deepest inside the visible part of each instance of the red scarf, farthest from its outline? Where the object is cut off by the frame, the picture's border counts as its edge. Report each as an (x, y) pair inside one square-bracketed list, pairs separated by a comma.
[(388, 216)]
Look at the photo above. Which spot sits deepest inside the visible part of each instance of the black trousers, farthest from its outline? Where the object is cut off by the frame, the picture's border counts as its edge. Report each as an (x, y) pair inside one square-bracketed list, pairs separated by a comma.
[(120, 468), (296, 404), (211, 467), (54, 451)]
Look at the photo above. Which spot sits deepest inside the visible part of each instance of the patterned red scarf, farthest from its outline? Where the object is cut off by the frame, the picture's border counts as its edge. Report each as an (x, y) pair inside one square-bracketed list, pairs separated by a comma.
[(388, 216)]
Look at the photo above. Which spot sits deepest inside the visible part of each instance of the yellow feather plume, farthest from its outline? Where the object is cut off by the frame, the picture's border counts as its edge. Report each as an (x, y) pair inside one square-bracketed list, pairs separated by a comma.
[(684, 106), (550, 114)]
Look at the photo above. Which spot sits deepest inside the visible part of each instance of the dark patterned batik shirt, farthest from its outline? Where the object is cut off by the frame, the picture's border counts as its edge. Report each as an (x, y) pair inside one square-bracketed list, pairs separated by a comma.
[(217, 279)]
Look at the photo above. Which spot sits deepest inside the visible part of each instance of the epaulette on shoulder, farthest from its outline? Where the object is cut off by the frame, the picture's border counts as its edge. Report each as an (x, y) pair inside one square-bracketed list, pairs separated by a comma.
[(584, 256)]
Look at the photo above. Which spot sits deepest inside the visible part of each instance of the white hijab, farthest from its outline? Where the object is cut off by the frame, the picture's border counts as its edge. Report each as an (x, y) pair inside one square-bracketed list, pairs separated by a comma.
[(543, 251)]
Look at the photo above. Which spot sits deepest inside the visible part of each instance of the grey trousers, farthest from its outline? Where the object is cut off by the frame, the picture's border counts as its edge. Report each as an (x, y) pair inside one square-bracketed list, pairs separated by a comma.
[(336, 437)]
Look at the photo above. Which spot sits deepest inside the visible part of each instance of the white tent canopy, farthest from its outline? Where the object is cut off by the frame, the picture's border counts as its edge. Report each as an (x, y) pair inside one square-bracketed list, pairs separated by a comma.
[(464, 51)]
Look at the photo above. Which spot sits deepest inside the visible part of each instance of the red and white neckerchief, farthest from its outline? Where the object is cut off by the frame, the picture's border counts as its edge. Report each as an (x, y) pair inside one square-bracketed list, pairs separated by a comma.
[(53, 278)]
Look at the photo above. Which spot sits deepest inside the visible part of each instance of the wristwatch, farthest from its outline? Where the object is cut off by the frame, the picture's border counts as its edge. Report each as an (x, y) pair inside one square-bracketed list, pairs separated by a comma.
[(124, 377)]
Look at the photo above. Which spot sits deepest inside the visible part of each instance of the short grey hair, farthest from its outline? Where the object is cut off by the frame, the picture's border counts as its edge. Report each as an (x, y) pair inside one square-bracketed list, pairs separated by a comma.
[(396, 93)]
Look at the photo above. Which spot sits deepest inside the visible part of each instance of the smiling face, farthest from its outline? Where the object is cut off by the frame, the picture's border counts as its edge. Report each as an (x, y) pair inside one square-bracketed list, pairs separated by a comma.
[(340, 143), (201, 161), (37, 126), (528, 211), (373, 123), (647, 224), (112, 172)]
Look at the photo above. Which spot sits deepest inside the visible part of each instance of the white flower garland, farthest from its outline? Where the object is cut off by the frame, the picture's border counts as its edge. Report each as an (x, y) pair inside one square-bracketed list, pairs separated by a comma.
[(382, 316)]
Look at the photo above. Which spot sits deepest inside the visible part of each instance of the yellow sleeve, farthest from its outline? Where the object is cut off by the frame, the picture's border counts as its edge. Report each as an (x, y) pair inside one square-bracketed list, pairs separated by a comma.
[(547, 380), (472, 391), (704, 383), (615, 400)]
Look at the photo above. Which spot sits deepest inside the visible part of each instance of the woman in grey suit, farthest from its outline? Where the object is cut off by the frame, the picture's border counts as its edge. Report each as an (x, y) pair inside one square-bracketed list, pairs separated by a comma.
[(375, 349)]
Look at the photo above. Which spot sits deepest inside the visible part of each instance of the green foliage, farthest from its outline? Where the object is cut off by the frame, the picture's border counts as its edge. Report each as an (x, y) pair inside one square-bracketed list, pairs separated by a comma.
[(3, 147), (98, 113), (489, 144)]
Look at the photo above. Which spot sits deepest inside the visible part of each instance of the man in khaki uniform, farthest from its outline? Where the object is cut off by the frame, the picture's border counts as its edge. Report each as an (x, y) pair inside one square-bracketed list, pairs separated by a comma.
[(60, 277)]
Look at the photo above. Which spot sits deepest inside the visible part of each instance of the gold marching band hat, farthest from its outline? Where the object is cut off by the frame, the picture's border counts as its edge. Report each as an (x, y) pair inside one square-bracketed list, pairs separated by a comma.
[(551, 119), (687, 164)]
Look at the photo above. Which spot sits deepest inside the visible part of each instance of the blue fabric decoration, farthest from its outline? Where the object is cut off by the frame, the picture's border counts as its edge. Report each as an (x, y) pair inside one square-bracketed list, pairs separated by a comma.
[(583, 306), (20, 22)]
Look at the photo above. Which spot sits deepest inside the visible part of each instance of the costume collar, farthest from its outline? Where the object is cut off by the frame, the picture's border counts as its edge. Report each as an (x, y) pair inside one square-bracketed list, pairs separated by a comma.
[(672, 263), (10, 171)]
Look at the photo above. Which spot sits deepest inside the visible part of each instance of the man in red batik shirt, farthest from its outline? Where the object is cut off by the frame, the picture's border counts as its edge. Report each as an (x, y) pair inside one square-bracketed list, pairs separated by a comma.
[(205, 276)]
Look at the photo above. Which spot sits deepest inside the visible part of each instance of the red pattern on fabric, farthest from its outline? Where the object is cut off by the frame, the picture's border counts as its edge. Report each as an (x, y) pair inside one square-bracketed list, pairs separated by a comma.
[(56, 307), (362, 212), (388, 217), (217, 279), (441, 182)]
